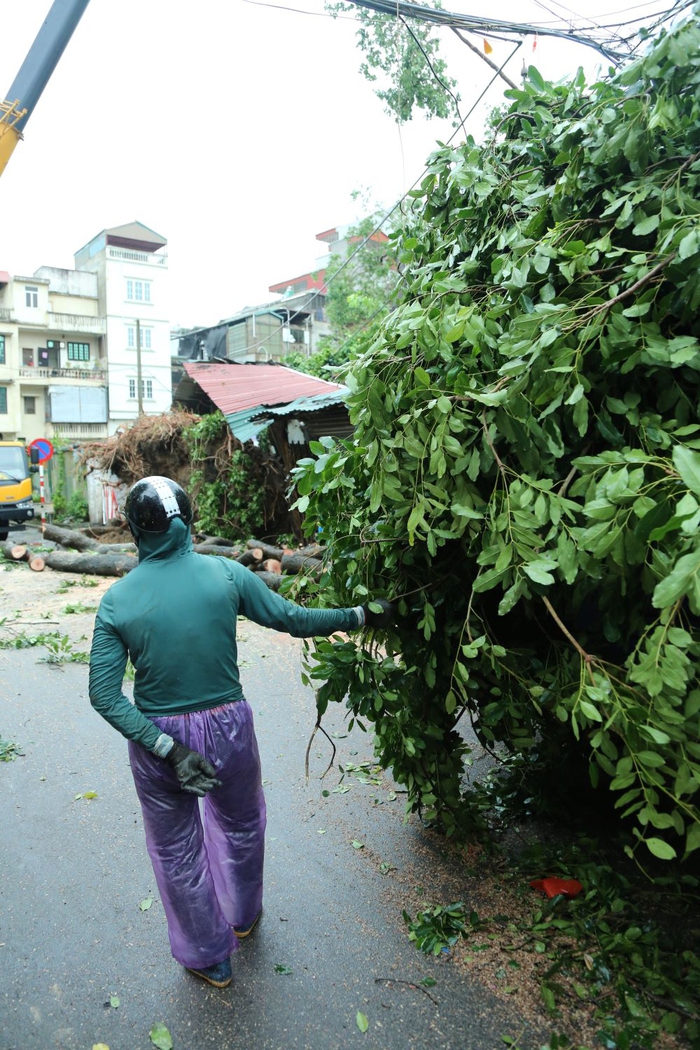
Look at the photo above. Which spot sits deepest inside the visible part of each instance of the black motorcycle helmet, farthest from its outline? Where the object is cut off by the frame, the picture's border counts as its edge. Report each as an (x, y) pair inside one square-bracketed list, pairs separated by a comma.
[(153, 502)]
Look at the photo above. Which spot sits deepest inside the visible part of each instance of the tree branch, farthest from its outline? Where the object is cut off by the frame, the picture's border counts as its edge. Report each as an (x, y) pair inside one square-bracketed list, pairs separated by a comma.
[(484, 58)]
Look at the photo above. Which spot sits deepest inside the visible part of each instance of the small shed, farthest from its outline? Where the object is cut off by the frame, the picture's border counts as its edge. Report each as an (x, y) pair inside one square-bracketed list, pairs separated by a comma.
[(251, 395), (306, 419)]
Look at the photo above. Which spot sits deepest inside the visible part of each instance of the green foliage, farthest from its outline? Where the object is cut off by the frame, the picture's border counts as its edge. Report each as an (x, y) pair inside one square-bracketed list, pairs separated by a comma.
[(436, 929), (229, 501), (60, 648), (361, 291), (9, 751), (525, 475), (402, 57), (629, 951), (74, 507), (77, 507), (60, 651), (29, 641)]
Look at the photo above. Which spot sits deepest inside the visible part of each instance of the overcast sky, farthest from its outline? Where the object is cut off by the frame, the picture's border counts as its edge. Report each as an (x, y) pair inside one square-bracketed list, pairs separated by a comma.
[(237, 131)]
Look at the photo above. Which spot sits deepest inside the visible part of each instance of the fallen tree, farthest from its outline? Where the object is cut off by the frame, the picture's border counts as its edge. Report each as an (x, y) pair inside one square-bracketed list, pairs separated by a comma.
[(525, 476), (91, 563), (81, 541), (235, 488), (83, 553)]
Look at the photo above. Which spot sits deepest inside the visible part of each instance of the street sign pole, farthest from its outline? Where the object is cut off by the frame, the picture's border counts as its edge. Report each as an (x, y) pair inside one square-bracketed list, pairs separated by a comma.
[(45, 450), (43, 501)]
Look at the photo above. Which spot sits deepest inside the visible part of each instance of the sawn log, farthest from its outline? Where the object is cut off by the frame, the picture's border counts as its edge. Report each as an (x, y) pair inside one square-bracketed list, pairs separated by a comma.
[(91, 563)]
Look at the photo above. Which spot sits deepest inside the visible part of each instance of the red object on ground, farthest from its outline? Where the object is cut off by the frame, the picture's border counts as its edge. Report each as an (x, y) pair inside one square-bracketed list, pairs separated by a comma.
[(555, 887)]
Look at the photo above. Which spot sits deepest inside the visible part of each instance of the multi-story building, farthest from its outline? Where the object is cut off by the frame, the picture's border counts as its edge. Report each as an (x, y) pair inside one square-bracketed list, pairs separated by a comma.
[(53, 378), (75, 343), (131, 266)]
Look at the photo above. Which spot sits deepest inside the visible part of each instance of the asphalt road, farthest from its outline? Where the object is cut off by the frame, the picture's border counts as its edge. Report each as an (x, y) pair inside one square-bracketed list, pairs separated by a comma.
[(74, 873)]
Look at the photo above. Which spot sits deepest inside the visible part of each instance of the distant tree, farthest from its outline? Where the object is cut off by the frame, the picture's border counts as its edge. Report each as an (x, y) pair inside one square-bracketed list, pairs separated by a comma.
[(408, 57), (361, 292)]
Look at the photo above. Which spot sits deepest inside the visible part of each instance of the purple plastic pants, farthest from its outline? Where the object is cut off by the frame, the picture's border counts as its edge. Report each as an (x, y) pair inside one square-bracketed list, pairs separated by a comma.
[(209, 872)]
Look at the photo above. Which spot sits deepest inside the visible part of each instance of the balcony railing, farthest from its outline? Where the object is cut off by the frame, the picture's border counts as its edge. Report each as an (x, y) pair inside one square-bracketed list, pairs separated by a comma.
[(5, 313), (144, 257), (96, 374), (77, 323), (80, 430)]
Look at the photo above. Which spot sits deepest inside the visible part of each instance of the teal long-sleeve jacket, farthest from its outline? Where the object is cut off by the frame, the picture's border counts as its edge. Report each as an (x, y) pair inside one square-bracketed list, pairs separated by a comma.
[(175, 616)]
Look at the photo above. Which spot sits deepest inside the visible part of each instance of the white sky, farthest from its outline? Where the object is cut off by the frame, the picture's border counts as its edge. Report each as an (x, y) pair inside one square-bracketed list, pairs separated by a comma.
[(237, 131)]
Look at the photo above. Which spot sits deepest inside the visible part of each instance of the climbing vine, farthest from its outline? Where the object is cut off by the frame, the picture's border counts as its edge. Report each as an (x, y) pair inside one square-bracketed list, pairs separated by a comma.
[(237, 489), (524, 480)]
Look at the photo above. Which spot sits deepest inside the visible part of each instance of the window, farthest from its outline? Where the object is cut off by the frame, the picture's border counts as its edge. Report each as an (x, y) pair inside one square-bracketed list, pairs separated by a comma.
[(146, 388), (3, 400), (31, 295), (146, 338), (138, 291), (78, 351), (2, 349), (30, 406)]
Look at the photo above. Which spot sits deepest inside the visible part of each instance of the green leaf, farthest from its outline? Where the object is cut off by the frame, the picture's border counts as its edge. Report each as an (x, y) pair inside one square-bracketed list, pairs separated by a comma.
[(687, 463), (114, 1001), (590, 711), (656, 735), (146, 903), (282, 969), (357, 845), (692, 841), (538, 573), (678, 582), (160, 1037), (660, 849), (646, 225), (690, 245), (361, 1021)]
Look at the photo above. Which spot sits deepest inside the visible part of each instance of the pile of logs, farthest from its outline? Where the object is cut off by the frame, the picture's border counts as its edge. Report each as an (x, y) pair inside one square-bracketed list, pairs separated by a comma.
[(79, 552)]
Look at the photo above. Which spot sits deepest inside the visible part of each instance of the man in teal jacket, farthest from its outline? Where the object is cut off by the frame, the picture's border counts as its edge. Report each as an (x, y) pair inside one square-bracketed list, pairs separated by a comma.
[(190, 728)]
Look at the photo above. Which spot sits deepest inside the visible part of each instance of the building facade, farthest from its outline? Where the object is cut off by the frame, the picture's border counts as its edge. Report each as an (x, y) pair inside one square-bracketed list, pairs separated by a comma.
[(53, 377), (85, 351), (130, 264)]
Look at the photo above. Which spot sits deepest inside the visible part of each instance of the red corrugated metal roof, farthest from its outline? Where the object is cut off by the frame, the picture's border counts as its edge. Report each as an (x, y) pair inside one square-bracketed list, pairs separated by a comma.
[(235, 388)]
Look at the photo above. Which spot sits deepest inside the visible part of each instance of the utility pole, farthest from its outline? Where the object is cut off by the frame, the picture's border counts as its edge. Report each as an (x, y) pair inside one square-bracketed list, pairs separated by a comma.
[(139, 382)]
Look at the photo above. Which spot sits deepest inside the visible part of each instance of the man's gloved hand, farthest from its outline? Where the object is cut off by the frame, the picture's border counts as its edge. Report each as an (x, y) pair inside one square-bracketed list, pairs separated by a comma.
[(385, 618), (194, 773)]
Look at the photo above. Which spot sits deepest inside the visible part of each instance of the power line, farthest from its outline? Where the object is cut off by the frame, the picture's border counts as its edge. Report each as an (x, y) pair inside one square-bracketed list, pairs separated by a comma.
[(398, 204), (438, 16)]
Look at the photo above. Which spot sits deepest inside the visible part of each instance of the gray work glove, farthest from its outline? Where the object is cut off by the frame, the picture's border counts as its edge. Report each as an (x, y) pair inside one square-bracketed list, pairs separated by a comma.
[(192, 770), (385, 618)]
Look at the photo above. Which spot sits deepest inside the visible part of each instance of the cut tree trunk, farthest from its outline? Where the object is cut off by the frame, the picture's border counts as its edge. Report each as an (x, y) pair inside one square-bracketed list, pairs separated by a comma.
[(80, 542), (271, 565), (92, 563), (294, 563), (19, 553), (251, 557), (217, 549), (314, 550), (36, 563), (266, 550), (71, 538), (270, 579), (216, 541)]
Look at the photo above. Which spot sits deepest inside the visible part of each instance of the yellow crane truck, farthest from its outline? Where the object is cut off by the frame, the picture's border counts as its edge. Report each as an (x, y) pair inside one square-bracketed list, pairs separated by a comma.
[(17, 464), (35, 72)]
